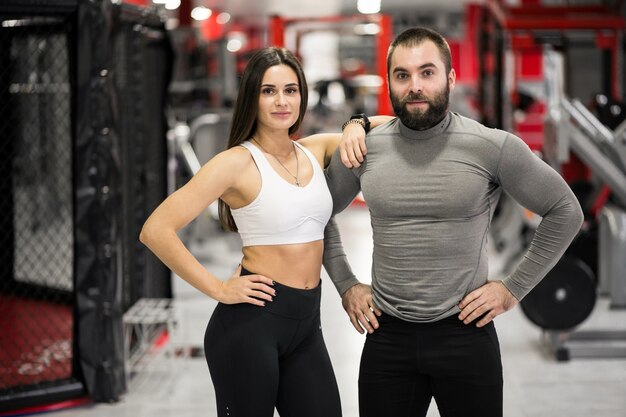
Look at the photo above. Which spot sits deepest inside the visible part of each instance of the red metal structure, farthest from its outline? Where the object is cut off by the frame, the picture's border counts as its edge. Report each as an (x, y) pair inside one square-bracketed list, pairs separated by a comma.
[(522, 32), (609, 26)]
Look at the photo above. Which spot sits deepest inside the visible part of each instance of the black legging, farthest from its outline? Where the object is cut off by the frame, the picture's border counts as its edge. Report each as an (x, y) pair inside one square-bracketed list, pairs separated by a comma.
[(404, 365), (272, 356)]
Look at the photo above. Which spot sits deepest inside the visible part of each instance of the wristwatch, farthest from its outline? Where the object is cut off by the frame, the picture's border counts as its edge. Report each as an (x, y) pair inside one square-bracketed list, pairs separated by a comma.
[(359, 118)]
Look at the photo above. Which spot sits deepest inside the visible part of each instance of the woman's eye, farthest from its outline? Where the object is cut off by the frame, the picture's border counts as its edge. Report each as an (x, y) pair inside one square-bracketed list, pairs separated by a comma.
[(267, 91)]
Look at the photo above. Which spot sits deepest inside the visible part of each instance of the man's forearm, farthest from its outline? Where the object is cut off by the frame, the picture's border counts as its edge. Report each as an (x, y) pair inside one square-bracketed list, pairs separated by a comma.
[(552, 237), (344, 185), (335, 259)]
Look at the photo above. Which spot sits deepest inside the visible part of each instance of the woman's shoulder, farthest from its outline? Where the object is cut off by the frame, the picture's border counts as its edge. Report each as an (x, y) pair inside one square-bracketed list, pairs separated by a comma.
[(235, 158)]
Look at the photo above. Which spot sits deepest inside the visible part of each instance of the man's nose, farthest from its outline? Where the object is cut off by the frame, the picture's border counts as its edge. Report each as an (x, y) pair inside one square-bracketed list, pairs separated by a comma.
[(416, 85)]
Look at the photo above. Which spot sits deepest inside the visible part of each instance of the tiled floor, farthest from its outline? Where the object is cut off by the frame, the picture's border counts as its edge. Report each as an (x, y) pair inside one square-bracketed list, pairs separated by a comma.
[(535, 384)]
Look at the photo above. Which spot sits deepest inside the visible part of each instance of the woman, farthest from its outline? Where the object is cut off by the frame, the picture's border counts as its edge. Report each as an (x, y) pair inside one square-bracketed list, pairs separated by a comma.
[(263, 344)]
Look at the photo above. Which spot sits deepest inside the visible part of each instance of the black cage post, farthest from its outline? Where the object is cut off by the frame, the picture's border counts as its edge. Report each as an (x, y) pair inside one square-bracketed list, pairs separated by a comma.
[(82, 164), (98, 207), (124, 61)]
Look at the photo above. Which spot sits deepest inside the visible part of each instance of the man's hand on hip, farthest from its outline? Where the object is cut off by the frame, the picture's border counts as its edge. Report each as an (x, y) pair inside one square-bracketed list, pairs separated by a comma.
[(358, 303), (490, 300)]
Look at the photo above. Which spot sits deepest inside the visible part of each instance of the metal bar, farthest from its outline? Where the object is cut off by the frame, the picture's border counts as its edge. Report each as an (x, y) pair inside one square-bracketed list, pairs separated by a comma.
[(597, 132), (138, 14), (178, 138), (602, 130), (383, 40), (617, 53), (599, 163), (49, 7), (592, 352), (332, 19), (598, 334), (586, 344), (534, 9), (509, 19), (276, 32), (565, 23), (190, 158)]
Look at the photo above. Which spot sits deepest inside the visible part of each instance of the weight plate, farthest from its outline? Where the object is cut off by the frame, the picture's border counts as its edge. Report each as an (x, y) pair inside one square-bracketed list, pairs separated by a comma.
[(564, 298)]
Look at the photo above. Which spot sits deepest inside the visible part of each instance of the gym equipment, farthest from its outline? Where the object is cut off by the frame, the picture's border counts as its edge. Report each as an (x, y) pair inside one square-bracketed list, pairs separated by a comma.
[(143, 322), (564, 298), (511, 230), (612, 254), (567, 295), (194, 143), (585, 247)]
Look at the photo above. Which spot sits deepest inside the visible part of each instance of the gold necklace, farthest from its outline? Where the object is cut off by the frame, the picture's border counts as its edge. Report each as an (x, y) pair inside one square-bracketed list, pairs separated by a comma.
[(295, 151)]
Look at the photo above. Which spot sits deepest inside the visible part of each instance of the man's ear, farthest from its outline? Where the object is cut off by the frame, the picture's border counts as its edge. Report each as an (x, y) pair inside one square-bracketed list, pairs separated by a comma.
[(452, 78)]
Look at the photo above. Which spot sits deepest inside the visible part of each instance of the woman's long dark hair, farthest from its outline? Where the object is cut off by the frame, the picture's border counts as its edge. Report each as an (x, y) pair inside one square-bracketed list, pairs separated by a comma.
[(244, 122)]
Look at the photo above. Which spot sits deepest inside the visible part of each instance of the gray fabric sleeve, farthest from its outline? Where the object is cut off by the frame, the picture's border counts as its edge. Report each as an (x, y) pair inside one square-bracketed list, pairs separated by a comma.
[(344, 186), (343, 182), (335, 259), (539, 188)]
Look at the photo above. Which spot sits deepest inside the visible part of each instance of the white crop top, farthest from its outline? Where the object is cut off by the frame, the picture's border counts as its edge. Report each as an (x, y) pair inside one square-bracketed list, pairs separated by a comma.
[(283, 213)]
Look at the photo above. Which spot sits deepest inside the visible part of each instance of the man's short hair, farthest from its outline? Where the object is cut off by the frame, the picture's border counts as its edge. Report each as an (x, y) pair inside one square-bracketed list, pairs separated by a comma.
[(417, 35)]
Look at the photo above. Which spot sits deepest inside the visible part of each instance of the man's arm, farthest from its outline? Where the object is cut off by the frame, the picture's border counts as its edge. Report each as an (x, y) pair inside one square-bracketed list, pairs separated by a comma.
[(344, 185), (356, 298), (540, 189), (335, 260)]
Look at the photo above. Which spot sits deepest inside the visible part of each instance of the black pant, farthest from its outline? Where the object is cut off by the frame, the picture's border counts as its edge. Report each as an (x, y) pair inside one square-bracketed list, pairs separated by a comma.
[(272, 356), (406, 364)]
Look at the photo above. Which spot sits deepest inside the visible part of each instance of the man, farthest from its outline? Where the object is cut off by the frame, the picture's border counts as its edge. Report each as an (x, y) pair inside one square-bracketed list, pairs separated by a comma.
[(431, 180)]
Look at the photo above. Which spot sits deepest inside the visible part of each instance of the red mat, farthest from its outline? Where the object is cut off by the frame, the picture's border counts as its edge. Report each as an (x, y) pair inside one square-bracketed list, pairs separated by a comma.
[(35, 341)]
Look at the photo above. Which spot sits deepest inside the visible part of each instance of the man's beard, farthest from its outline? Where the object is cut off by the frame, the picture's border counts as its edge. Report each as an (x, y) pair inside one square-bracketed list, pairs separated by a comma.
[(422, 120)]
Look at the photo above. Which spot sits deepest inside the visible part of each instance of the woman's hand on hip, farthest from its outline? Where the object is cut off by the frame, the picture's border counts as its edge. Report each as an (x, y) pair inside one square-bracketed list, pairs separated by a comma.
[(252, 289)]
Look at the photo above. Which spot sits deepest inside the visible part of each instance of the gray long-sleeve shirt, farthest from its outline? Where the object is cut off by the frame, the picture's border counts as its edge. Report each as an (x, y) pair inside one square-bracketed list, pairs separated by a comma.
[(431, 196)]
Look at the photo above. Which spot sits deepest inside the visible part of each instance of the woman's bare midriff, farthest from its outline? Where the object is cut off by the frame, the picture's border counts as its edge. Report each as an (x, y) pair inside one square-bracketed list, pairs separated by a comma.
[(297, 265)]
